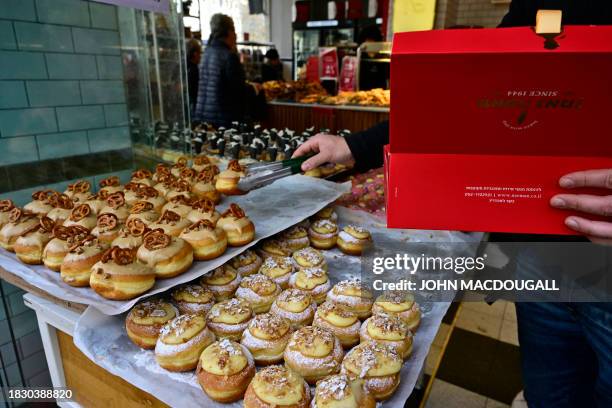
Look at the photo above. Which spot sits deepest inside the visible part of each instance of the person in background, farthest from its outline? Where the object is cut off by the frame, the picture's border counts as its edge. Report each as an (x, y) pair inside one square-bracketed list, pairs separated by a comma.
[(223, 92), (272, 70), (566, 348), (194, 55)]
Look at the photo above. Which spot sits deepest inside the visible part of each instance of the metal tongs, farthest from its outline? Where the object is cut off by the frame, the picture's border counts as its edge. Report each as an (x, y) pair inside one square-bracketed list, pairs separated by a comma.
[(261, 174)]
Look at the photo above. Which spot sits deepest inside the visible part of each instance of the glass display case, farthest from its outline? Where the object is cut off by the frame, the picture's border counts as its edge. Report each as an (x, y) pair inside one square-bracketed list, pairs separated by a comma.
[(306, 42)]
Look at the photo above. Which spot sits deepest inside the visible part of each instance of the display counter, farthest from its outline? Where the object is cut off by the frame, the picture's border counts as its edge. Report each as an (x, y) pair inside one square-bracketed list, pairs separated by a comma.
[(294, 115)]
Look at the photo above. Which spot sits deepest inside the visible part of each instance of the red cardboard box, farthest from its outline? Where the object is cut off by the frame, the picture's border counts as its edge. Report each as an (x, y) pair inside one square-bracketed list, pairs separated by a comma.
[(484, 123)]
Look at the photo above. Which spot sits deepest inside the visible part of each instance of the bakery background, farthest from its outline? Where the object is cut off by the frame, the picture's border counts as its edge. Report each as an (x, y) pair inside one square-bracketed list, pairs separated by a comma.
[(89, 90)]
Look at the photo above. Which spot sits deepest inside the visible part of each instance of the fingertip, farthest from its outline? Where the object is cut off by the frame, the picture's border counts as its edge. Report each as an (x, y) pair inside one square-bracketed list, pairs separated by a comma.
[(567, 182), (572, 222)]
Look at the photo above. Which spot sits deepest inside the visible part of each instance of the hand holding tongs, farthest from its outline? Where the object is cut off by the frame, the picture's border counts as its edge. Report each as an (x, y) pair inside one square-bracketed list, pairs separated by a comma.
[(261, 174)]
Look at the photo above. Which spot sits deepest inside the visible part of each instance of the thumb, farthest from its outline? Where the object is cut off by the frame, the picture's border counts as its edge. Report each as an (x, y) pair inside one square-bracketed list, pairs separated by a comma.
[(314, 161)]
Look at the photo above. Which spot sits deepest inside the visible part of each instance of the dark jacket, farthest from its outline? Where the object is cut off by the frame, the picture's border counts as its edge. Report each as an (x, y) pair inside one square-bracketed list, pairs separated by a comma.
[(193, 79), (223, 90), (367, 146)]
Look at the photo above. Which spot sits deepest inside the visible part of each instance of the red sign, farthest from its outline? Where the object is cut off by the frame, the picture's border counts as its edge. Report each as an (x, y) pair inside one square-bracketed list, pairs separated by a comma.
[(312, 69), (348, 74), (487, 144), (329, 62)]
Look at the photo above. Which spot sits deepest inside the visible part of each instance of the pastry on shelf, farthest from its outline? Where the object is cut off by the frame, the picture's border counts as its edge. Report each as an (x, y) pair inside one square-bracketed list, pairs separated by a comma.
[(266, 338), (314, 353), (203, 209), (107, 228), (131, 235), (169, 256), (309, 258), (63, 239), (143, 211), (76, 266), (62, 207), (377, 365), (259, 290), (118, 275), (323, 234), (326, 213), (225, 370), (296, 306), (200, 163), (5, 209), (110, 185), (352, 294), (96, 202), (150, 195), (389, 330), (172, 223), (83, 216), (144, 322), (313, 281), (352, 240), (177, 167), (189, 175), (279, 269), (230, 318), (79, 191), (132, 191), (180, 187), (222, 281), (143, 176), (204, 186), (401, 304), (208, 242), (29, 246), (274, 247), (165, 183), (239, 228), (227, 180), (40, 203), (20, 222), (277, 387), (193, 299), (116, 205), (338, 391), (247, 263), (181, 341), (296, 238), (180, 204), (315, 172), (340, 320), (161, 170)]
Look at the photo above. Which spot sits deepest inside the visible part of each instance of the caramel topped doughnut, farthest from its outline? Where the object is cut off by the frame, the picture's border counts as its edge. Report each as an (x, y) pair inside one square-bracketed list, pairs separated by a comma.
[(145, 320), (20, 222), (266, 338), (79, 191), (225, 370), (352, 294), (143, 176), (314, 353), (208, 241), (131, 235), (259, 290), (107, 227), (116, 204), (340, 320), (180, 204), (143, 211), (203, 209), (227, 180), (110, 185), (64, 238), (171, 222), (247, 263), (181, 341), (296, 306), (239, 228), (119, 277), (377, 364), (193, 299), (81, 215), (222, 281), (205, 187), (229, 318), (40, 203), (168, 256), (178, 188), (62, 207), (401, 304), (29, 246), (277, 387), (313, 281), (76, 266), (5, 208), (200, 163), (96, 202)]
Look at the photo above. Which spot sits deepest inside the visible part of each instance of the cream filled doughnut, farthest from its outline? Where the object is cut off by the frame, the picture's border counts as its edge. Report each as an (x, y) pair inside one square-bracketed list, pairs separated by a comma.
[(279, 269), (296, 306), (323, 234), (277, 387), (296, 238), (193, 299), (313, 281), (247, 263), (230, 318), (340, 320), (144, 322), (353, 240), (389, 330), (400, 304), (352, 294), (266, 338), (310, 258), (222, 281), (259, 290)]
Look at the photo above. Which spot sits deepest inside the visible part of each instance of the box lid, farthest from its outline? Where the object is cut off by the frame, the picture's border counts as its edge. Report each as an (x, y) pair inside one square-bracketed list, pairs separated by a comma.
[(502, 91)]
